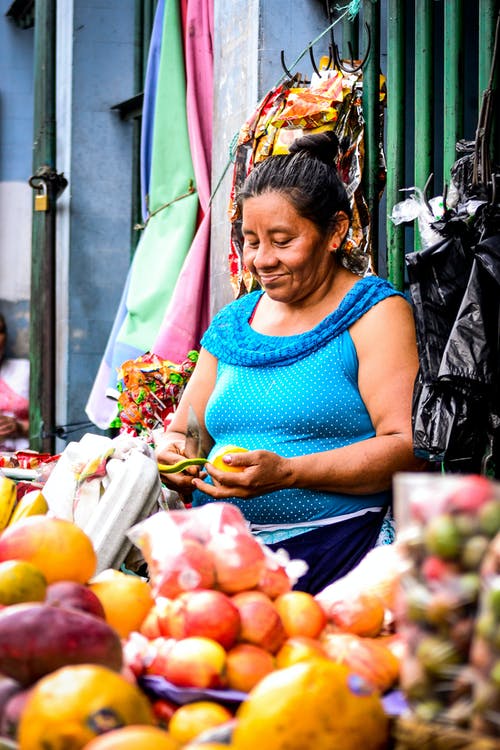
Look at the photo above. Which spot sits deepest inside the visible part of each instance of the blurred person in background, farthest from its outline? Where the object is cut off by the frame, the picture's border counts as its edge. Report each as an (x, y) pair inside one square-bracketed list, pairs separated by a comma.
[(14, 394)]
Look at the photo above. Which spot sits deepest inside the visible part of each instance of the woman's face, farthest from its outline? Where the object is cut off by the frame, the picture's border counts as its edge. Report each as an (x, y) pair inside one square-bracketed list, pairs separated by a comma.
[(285, 251)]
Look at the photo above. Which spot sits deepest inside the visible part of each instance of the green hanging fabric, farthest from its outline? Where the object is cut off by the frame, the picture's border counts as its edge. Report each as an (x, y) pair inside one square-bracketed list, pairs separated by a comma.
[(172, 202)]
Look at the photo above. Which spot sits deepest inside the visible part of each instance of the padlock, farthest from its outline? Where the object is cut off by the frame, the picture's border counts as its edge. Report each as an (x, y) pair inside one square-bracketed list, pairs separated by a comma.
[(42, 199)]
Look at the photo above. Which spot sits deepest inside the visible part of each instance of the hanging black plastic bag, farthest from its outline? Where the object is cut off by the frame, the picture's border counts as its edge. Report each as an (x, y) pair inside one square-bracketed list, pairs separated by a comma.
[(455, 293)]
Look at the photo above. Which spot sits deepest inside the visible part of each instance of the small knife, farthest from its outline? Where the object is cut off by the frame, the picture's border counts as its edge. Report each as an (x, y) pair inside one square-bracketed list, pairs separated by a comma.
[(192, 447)]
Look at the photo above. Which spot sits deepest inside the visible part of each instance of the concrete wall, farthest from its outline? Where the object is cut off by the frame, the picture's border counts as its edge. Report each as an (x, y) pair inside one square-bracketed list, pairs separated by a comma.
[(249, 37), (16, 141)]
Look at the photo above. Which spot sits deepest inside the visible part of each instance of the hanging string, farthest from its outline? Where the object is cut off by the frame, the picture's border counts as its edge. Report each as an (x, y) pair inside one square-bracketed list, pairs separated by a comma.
[(350, 11), (191, 189)]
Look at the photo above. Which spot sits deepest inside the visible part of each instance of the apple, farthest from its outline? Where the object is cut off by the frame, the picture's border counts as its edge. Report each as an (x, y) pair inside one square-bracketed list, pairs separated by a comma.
[(190, 568), (274, 580), (239, 560), (208, 613), (156, 656), (155, 624), (260, 620), (247, 665), (300, 613), (298, 648), (196, 662), (73, 595)]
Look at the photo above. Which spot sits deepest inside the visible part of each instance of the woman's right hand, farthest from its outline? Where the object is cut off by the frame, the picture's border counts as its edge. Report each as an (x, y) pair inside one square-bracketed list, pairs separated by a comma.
[(169, 452)]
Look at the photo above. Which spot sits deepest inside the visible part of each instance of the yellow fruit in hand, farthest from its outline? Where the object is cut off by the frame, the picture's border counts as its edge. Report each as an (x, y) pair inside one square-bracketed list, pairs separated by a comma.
[(217, 459), (21, 581)]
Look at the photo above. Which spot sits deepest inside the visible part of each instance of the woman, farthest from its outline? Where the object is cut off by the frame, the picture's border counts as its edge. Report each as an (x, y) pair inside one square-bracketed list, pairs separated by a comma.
[(14, 405), (313, 374)]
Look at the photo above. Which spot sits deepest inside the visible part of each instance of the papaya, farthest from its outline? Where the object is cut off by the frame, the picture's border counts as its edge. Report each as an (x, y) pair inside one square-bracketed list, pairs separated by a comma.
[(36, 639)]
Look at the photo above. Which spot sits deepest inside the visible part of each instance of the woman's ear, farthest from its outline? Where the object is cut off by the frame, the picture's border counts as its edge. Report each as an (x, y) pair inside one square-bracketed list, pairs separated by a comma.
[(340, 230)]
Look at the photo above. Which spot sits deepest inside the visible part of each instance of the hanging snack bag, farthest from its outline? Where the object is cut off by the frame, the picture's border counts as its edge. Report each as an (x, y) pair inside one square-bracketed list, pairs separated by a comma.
[(445, 526)]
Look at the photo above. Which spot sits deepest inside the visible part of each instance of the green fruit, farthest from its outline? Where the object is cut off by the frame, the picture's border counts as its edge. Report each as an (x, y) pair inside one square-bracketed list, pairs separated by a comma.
[(437, 655), (489, 517), (495, 673), (473, 551), (428, 711), (493, 600), (485, 626), (443, 538)]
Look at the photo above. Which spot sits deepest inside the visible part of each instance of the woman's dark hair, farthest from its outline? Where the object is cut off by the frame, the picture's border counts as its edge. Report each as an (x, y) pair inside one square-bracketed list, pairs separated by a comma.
[(3, 324), (307, 176)]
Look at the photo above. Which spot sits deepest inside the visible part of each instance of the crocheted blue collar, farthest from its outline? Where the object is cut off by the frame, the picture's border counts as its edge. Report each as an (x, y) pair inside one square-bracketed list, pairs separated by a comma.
[(231, 339)]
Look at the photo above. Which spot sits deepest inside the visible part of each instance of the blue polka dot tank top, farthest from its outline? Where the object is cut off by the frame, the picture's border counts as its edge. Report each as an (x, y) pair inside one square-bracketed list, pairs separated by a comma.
[(301, 397)]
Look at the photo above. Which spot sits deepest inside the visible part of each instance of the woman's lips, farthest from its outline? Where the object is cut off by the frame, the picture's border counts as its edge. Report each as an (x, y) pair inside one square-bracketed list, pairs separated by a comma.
[(270, 278)]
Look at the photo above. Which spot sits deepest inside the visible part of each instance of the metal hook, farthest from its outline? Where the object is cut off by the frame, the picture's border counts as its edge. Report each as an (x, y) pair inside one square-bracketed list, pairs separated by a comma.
[(354, 68), (313, 61), (283, 64)]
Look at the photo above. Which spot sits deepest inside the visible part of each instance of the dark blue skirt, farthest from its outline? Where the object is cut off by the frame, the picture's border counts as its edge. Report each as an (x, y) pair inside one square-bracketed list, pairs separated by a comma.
[(332, 551)]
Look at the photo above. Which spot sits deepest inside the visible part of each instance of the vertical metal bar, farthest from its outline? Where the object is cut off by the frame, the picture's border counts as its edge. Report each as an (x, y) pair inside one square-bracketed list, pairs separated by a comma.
[(453, 87), (395, 151), (350, 32), (423, 143), (42, 308), (371, 113), (488, 10), (488, 13)]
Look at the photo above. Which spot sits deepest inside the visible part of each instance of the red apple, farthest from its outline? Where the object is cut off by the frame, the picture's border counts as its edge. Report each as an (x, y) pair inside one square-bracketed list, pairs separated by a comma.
[(155, 624), (190, 568), (274, 581), (73, 595), (196, 662), (239, 560), (208, 613), (157, 655), (247, 665), (300, 614), (260, 621)]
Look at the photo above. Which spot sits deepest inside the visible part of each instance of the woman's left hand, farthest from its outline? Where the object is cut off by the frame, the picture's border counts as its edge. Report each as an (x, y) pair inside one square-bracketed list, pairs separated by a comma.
[(8, 426), (258, 472)]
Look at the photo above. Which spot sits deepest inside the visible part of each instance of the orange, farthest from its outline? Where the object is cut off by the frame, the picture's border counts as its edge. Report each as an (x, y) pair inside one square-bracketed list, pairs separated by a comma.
[(70, 706), (314, 704), (217, 458), (126, 599), (21, 581), (133, 737), (206, 746), (246, 665), (300, 614), (192, 719), (60, 548)]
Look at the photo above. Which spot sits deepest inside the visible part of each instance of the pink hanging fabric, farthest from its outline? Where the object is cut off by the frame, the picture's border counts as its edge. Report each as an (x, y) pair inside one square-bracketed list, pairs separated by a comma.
[(188, 313)]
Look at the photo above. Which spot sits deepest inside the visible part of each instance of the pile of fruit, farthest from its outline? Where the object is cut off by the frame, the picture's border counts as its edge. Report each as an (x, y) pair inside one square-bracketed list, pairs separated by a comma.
[(450, 604), (216, 641)]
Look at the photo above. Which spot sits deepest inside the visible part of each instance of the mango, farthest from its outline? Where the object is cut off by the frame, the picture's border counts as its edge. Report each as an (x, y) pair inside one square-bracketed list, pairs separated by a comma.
[(36, 639)]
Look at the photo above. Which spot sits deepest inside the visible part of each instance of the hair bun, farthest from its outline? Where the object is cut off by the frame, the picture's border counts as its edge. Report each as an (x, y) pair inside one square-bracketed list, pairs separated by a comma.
[(323, 146)]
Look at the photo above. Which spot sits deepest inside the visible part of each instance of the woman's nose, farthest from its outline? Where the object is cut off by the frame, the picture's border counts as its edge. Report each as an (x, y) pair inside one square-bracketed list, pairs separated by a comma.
[(265, 254)]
